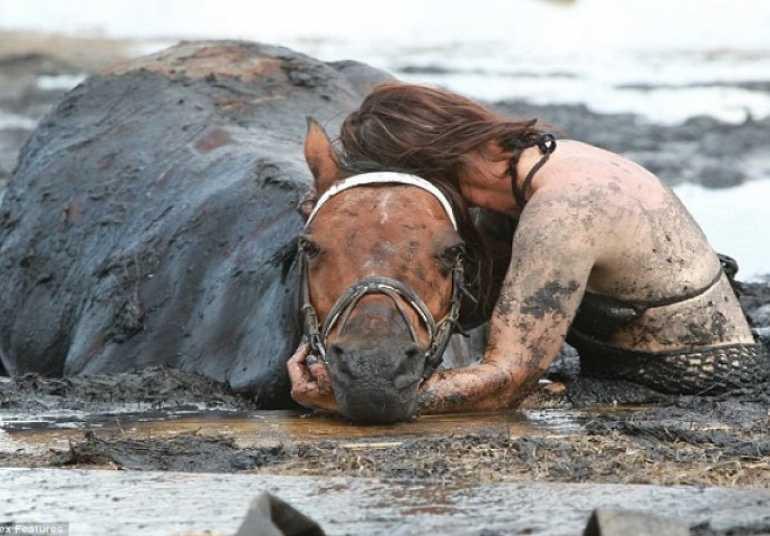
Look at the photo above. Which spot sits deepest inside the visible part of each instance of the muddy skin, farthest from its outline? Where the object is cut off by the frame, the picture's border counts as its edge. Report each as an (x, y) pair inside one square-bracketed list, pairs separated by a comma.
[(376, 380), (548, 300), (711, 317)]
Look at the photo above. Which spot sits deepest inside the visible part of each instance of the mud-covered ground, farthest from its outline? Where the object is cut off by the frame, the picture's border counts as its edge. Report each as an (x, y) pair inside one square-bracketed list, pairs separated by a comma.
[(622, 433), (657, 439)]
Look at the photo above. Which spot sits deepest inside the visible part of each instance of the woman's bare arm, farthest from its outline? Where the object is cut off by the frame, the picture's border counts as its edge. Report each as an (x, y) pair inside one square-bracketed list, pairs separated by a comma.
[(542, 290)]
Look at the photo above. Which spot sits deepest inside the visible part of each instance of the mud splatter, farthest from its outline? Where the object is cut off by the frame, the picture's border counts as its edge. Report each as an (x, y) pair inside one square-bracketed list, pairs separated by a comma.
[(548, 300)]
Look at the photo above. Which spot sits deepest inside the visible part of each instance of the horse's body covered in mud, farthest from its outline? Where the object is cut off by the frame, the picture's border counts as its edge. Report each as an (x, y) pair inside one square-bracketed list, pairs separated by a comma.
[(152, 216)]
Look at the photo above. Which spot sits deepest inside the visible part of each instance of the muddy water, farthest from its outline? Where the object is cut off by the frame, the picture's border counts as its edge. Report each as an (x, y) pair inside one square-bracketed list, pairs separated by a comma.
[(266, 428)]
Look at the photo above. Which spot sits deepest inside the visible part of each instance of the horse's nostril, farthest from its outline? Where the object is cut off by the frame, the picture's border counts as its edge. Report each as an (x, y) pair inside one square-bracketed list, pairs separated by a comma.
[(413, 351)]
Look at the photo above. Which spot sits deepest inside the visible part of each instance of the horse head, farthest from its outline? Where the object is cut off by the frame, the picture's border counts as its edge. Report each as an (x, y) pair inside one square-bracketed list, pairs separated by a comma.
[(382, 263)]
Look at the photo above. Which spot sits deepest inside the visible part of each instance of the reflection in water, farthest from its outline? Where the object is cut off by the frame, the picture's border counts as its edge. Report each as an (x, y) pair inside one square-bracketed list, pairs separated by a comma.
[(263, 428)]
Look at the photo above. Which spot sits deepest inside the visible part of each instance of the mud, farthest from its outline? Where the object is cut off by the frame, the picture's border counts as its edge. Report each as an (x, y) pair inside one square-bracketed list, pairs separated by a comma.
[(755, 300), (613, 450), (151, 388), (664, 440), (575, 430)]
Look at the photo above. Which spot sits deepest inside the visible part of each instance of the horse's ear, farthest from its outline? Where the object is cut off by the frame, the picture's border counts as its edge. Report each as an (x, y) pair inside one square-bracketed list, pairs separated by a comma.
[(319, 155)]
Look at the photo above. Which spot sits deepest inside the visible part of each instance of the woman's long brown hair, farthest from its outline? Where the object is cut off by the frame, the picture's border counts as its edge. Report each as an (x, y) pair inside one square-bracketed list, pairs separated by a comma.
[(426, 131), (430, 132)]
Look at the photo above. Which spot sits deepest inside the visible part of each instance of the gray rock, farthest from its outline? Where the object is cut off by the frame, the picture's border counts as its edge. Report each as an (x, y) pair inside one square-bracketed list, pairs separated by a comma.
[(270, 516), (714, 176), (761, 316)]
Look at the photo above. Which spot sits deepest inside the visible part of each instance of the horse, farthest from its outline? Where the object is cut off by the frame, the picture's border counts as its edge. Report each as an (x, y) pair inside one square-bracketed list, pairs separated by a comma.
[(152, 221), (383, 260)]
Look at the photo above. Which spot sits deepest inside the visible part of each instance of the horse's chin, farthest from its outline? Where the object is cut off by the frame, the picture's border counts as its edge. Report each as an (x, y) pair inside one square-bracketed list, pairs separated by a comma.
[(376, 387), (375, 376), (378, 406)]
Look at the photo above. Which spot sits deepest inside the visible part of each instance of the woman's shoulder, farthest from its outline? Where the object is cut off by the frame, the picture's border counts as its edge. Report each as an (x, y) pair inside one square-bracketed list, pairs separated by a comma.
[(578, 169)]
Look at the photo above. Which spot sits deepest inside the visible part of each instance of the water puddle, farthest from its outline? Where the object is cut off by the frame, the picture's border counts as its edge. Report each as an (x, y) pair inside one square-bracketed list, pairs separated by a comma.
[(264, 428)]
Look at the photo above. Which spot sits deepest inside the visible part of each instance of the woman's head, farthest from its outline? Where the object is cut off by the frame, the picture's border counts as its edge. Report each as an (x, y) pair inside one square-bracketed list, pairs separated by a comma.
[(430, 132)]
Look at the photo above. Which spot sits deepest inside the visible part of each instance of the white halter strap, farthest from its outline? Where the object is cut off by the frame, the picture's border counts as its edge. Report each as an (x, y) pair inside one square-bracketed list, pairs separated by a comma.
[(384, 177)]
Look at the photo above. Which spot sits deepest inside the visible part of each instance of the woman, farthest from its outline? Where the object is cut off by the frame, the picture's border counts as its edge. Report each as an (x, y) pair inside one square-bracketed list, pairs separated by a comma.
[(604, 255)]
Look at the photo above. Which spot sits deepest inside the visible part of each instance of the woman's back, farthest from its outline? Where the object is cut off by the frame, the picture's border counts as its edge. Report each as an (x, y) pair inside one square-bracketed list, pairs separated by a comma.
[(652, 255)]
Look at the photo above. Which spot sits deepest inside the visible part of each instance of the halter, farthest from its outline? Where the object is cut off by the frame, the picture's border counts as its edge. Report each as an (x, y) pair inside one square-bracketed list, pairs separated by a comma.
[(439, 332)]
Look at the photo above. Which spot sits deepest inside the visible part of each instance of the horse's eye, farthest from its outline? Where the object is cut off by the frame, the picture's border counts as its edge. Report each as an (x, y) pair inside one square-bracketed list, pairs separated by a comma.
[(308, 247), (452, 253)]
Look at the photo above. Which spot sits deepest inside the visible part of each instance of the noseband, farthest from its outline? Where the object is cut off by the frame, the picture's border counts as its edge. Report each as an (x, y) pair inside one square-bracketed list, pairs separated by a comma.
[(439, 332)]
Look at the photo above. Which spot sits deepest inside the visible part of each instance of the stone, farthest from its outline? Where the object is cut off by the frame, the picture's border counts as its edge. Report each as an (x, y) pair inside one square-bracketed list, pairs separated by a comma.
[(270, 516)]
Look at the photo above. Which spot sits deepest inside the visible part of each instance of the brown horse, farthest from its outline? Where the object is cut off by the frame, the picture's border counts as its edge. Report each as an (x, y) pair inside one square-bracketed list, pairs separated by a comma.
[(384, 268)]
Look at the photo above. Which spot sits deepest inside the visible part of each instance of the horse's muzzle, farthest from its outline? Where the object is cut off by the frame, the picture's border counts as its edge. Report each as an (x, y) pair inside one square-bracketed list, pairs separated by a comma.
[(376, 381)]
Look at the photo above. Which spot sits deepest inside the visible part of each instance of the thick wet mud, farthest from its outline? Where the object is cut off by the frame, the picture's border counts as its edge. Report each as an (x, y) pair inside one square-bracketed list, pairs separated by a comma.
[(222, 442), (575, 430), (676, 440)]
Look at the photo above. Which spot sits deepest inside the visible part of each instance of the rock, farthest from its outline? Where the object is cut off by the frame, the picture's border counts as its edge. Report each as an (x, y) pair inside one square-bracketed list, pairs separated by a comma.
[(719, 177), (755, 300), (625, 523), (761, 316), (270, 516)]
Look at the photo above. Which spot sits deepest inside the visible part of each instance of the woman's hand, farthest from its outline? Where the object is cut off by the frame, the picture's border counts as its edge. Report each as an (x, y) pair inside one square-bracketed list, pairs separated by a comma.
[(310, 384)]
